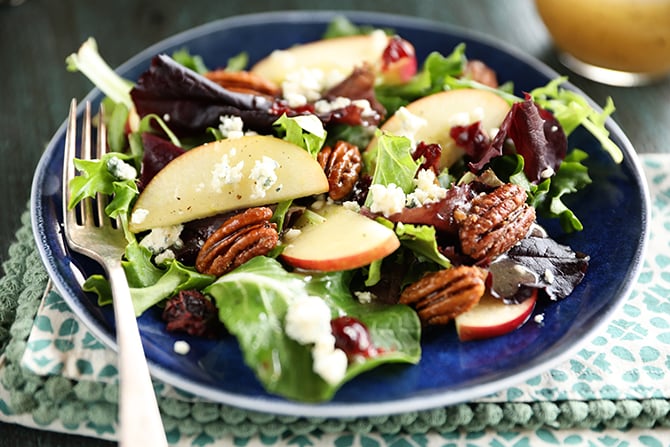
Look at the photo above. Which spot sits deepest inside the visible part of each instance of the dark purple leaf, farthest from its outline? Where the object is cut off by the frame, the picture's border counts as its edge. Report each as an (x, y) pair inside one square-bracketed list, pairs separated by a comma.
[(192, 102), (538, 137), (538, 262), (158, 152)]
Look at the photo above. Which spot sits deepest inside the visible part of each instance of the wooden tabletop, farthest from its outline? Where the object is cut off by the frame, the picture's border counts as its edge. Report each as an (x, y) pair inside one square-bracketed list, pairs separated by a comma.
[(35, 88)]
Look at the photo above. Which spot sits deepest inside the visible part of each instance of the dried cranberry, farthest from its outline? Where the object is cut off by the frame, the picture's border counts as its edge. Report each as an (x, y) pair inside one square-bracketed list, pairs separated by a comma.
[(398, 48), (192, 312), (353, 337), (431, 154)]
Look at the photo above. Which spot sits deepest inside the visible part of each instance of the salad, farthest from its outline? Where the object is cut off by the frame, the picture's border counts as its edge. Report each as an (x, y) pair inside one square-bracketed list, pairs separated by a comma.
[(330, 203)]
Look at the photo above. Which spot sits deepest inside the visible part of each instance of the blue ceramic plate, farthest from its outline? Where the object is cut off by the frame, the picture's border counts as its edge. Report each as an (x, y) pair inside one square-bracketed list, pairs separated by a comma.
[(614, 211)]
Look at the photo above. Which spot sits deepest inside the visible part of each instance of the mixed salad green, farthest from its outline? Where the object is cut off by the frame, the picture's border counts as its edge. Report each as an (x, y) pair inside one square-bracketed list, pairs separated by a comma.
[(173, 108)]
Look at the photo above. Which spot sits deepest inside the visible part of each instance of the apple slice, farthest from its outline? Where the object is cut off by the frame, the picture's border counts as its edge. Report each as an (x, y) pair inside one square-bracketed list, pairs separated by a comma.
[(441, 111), (341, 240), (492, 318), (340, 55), (226, 175)]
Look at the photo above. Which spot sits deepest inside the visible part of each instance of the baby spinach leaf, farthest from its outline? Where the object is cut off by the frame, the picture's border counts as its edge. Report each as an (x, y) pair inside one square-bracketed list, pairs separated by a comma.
[(253, 301)]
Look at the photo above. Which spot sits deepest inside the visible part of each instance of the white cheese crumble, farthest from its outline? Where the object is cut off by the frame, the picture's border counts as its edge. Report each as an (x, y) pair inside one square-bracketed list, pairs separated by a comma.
[(139, 215), (303, 85), (352, 205), (120, 169), (231, 127), (291, 234), (547, 172), (427, 189), (224, 173), (387, 200), (364, 297), (264, 176), (307, 321), (312, 124), (539, 319), (162, 238), (181, 347), (548, 276), (410, 124), (164, 256)]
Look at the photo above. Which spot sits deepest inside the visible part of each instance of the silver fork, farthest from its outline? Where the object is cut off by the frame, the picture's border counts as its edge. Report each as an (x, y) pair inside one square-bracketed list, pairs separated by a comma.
[(90, 232)]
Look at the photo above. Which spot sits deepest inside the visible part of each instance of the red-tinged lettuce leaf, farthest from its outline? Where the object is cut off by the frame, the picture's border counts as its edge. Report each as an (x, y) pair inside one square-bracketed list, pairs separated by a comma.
[(538, 262), (158, 152), (253, 300), (438, 214), (538, 137), (192, 102)]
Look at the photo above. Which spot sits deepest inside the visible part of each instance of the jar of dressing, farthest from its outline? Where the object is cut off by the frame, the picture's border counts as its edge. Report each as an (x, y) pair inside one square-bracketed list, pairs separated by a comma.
[(617, 42)]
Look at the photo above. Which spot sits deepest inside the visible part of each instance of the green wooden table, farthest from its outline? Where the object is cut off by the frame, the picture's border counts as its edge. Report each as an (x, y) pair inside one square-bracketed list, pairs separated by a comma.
[(35, 89)]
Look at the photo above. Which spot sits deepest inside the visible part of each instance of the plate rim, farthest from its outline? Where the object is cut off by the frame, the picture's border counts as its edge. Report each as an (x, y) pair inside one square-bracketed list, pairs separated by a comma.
[(346, 409)]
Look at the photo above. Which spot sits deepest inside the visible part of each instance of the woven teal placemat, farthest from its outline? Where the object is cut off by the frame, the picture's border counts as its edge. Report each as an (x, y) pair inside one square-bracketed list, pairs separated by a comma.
[(90, 406)]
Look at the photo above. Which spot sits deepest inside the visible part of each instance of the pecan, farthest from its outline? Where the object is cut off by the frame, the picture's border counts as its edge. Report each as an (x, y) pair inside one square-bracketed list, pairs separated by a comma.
[(244, 82), (239, 239), (441, 296), (480, 72), (495, 222), (342, 164)]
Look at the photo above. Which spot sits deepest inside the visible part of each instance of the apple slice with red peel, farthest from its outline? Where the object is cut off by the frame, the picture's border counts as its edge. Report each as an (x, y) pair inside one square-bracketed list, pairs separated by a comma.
[(341, 55), (226, 175), (439, 112), (492, 318), (340, 239)]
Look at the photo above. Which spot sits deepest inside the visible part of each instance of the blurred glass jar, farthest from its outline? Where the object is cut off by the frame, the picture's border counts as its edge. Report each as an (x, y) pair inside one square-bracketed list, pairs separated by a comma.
[(617, 42)]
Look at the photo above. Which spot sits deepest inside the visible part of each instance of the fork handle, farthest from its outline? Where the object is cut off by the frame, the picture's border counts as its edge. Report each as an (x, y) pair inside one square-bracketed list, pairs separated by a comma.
[(140, 421)]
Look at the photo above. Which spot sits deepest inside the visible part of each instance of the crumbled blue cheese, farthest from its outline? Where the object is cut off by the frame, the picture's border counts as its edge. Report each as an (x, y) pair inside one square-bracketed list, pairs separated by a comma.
[(539, 319), (302, 86), (164, 256), (307, 321), (427, 189), (410, 124), (231, 126), (387, 200), (263, 176), (224, 173), (162, 238), (312, 124), (364, 297), (181, 347), (120, 169), (139, 215), (466, 118)]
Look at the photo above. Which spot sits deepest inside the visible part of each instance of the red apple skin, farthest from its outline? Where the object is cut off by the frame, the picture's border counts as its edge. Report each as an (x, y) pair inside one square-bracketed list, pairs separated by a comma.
[(400, 71), (492, 318), (347, 261)]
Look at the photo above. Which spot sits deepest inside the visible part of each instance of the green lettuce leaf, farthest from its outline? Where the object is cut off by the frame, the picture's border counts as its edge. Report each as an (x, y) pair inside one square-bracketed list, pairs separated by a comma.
[(393, 162), (421, 240), (305, 131), (253, 301)]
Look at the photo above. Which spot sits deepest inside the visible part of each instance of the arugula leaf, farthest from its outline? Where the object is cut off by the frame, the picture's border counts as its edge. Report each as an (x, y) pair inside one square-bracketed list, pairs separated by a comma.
[(305, 131), (96, 178), (572, 109), (253, 301)]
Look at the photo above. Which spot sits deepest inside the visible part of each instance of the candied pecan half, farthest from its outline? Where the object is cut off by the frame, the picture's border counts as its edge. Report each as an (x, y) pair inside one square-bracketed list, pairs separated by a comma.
[(239, 239), (495, 222), (192, 312), (342, 164), (244, 82), (480, 72), (441, 296)]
